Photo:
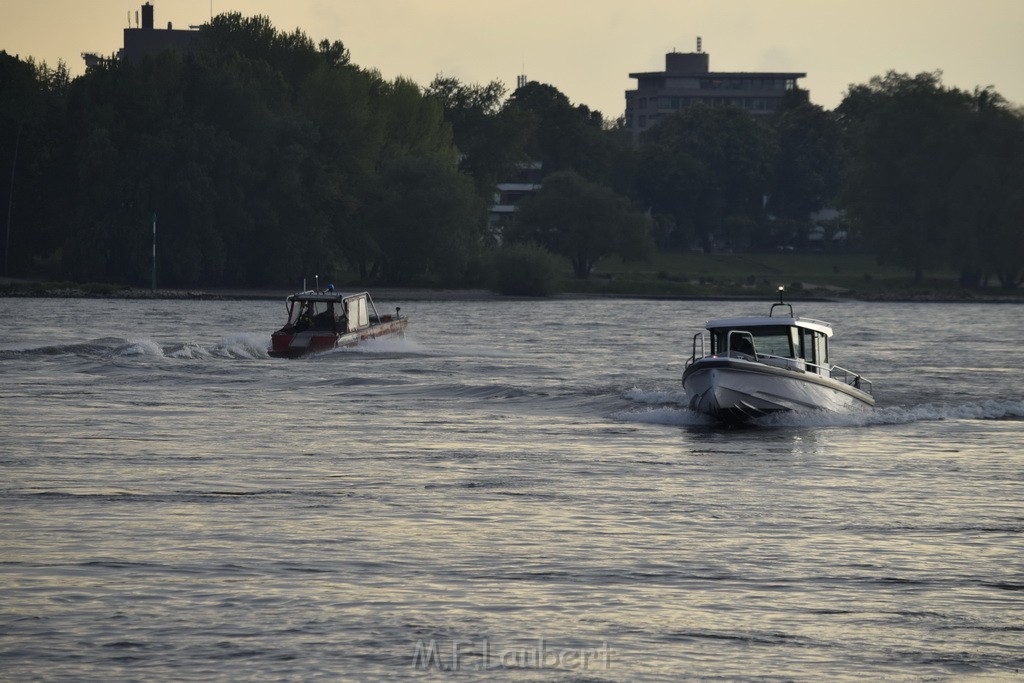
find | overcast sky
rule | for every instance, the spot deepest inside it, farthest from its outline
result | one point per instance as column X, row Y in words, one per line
column 587, row 48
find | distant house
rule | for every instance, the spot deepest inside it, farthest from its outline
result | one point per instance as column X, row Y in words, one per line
column 687, row 79
column 507, row 195
column 146, row 40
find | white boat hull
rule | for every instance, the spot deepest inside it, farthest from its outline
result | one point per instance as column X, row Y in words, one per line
column 733, row 390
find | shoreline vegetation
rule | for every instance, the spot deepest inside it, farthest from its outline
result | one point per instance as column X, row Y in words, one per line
column 679, row 276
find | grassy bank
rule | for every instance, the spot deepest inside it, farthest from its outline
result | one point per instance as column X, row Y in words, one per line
column 832, row 275
column 681, row 274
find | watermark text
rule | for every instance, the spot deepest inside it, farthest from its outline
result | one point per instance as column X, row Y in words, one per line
column 457, row 655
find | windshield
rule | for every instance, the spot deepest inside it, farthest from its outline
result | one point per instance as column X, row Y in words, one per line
column 775, row 340
column 307, row 309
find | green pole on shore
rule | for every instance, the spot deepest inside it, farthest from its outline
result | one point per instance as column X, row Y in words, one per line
column 154, row 250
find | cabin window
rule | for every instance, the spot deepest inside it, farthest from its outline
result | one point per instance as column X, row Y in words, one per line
column 807, row 344
column 358, row 315
column 307, row 310
column 774, row 340
column 814, row 346
column 821, row 348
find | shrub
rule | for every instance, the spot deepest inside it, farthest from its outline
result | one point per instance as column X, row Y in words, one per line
column 525, row 270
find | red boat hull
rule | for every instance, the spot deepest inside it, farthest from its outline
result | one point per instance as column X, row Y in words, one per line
column 285, row 343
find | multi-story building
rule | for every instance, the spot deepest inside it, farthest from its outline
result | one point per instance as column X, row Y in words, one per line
column 522, row 183
column 687, row 79
column 147, row 40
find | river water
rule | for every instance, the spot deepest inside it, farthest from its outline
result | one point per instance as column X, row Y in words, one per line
column 514, row 492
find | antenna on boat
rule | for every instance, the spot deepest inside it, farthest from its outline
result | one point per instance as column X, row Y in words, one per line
column 782, row 289
column 317, row 280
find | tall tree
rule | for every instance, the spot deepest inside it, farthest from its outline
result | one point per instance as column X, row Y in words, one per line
column 932, row 174
column 490, row 138
column 564, row 136
column 583, row 221
column 985, row 198
column 426, row 221
column 807, row 167
column 31, row 122
column 708, row 168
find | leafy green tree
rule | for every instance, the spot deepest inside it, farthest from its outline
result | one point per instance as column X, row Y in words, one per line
column 985, row 201
column 563, row 136
column 934, row 175
column 525, row 270
column 426, row 219
column 903, row 141
column 582, row 221
column 491, row 138
column 807, row 167
column 31, row 121
column 265, row 157
column 704, row 165
column 414, row 125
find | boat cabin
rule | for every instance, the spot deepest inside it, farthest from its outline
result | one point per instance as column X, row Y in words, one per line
column 795, row 343
column 329, row 312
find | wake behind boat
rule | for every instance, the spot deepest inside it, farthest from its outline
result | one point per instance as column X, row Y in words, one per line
column 323, row 320
column 759, row 365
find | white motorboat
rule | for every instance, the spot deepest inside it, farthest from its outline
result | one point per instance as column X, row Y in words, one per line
column 758, row 365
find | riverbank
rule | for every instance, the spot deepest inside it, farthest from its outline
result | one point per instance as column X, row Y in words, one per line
column 27, row 288
column 798, row 291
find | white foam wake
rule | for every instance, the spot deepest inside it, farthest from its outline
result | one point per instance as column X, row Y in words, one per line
column 669, row 408
column 389, row 344
column 139, row 347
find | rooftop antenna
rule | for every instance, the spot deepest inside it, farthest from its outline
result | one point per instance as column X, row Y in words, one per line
column 698, row 44
column 781, row 303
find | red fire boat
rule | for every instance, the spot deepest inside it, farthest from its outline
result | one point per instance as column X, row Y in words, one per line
column 324, row 320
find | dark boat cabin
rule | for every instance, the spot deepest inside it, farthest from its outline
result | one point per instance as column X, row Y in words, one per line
column 328, row 313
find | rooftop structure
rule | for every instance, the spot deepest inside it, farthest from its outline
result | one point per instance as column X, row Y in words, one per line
column 146, row 40
column 688, row 79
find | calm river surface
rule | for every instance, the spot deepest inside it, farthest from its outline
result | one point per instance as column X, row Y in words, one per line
column 513, row 492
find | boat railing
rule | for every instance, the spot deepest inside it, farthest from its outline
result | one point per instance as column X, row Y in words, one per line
column 747, row 349
column 835, row 372
column 695, row 357
column 784, row 362
column 851, row 378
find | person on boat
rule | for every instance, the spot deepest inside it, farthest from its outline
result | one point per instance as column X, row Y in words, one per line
column 741, row 344
column 322, row 321
column 305, row 320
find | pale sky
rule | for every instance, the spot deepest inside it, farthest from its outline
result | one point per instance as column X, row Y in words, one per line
column 587, row 48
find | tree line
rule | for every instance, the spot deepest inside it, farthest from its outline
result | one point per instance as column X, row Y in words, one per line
column 264, row 157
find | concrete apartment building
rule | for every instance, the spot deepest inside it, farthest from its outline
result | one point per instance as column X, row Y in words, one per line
column 688, row 79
